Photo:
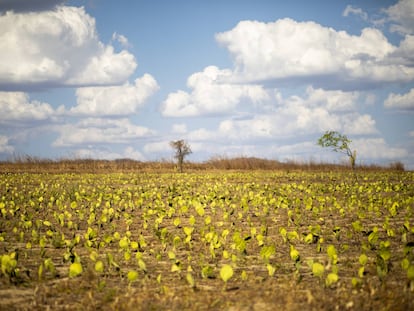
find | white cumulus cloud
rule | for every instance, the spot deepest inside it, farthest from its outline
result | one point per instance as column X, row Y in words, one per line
column 398, row 101
column 4, row 145
column 402, row 16
column 57, row 47
column 16, row 107
column 115, row 100
column 377, row 148
column 356, row 11
column 296, row 116
column 309, row 52
column 106, row 154
column 210, row 95
column 180, row 128
column 95, row 131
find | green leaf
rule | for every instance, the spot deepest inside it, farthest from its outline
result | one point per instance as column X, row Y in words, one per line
column 385, row 254
column 405, row 263
column 292, row 235
column 175, row 267
column 188, row 231
column 99, row 266
column 142, row 265
column 132, row 276
column 124, row 243
column 244, row 275
column 309, row 238
column 270, row 269
column 357, row 226
column 171, row 255
column 294, row 253
column 363, row 259
column 373, row 236
column 75, row 269
column 134, row 245
column 332, row 254
column 207, row 272
column 410, row 273
column 332, row 278
column 361, row 272
column 40, row 272
column 226, row 272
column 318, row 269
column 267, row 251
column 177, row 222
column 190, row 279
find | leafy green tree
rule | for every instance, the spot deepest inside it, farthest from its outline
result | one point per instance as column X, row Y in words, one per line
column 182, row 149
column 339, row 143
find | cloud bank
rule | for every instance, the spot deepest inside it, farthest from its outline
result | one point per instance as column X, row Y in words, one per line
column 58, row 47
column 311, row 53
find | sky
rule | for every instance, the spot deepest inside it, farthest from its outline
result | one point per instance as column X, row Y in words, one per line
column 121, row 79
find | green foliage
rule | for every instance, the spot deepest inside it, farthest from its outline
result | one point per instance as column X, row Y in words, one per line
column 339, row 143
column 190, row 279
column 75, row 269
column 267, row 251
column 226, row 273
column 333, row 256
column 318, row 269
column 99, row 266
column 294, row 254
column 331, row 279
column 9, row 265
column 132, row 276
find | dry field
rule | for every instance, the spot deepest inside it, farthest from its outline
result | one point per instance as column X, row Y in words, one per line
column 207, row 240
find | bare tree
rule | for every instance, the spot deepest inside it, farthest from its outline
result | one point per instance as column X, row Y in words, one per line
column 338, row 143
column 182, row 149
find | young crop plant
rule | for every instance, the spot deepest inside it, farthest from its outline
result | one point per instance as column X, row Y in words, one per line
column 75, row 269
column 318, row 269
column 226, row 273
column 9, row 266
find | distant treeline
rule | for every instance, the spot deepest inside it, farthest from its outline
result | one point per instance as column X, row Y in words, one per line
column 34, row 164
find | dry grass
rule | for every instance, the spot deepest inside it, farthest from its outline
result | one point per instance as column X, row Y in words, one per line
column 36, row 165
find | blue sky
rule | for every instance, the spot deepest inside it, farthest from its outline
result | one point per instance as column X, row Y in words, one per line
column 106, row 79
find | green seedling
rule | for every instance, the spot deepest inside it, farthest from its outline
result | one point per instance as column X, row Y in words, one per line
column 373, row 238
column 99, row 266
column 142, row 266
column 9, row 265
column 75, row 269
column 332, row 254
column 294, row 254
column 132, row 276
column 266, row 252
column 410, row 276
column 331, row 279
column 226, row 273
column 207, row 272
column 318, row 269
column 384, row 250
column 270, row 269
column 382, row 268
column 190, row 280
